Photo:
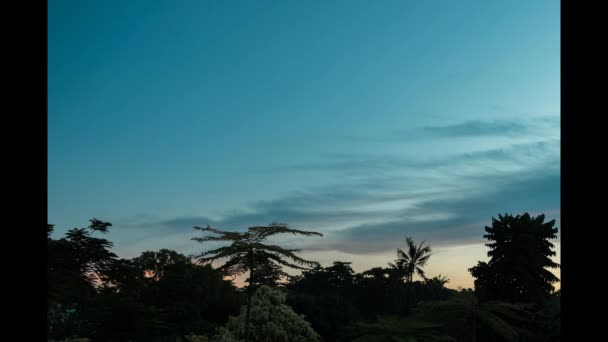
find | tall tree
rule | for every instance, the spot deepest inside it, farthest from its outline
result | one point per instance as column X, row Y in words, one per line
column 412, row 260
column 77, row 265
column 248, row 253
column 520, row 253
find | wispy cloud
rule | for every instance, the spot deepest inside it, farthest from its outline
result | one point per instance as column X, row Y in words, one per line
column 463, row 217
column 446, row 201
column 510, row 128
column 495, row 160
column 478, row 128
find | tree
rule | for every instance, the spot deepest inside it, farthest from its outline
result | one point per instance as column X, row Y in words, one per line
column 154, row 264
column 77, row 265
column 190, row 298
column 326, row 296
column 248, row 253
column 434, row 288
column 269, row 274
column 340, row 277
column 91, row 256
column 520, row 253
column 273, row 321
column 412, row 261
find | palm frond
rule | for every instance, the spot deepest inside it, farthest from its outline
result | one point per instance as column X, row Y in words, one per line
column 420, row 272
column 411, row 246
column 402, row 255
column 422, row 261
column 260, row 233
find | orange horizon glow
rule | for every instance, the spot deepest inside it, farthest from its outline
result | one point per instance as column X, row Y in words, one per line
column 450, row 261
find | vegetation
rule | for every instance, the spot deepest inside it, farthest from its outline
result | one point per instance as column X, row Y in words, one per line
column 272, row 321
column 166, row 296
column 520, row 253
column 248, row 253
column 412, row 260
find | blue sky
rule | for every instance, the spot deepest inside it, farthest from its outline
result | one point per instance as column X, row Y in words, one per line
column 365, row 120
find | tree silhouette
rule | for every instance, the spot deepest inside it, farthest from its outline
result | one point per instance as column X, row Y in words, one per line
column 77, row 265
column 411, row 261
column 520, row 253
column 193, row 298
column 248, row 253
column 154, row 264
column 269, row 274
column 92, row 255
column 164, row 295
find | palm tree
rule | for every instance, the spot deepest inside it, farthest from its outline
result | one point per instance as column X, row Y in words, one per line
column 247, row 253
column 411, row 262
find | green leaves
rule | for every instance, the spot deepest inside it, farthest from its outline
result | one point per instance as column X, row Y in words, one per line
column 272, row 320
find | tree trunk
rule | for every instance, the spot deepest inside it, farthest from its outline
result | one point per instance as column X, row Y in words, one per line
column 247, row 316
column 474, row 337
column 249, row 295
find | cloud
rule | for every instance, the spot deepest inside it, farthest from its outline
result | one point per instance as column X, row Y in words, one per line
column 384, row 165
column 464, row 217
column 368, row 216
column 478, row 128
column 444, row 199
column 538, row 125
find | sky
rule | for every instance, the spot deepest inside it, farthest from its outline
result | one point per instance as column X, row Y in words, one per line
column 363, row 120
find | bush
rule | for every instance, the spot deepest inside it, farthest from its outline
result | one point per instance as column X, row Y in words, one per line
column 270, row 321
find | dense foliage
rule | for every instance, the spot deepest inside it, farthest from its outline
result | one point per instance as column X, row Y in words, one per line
column 166, row 296
column 271, row 320
column 520, row 251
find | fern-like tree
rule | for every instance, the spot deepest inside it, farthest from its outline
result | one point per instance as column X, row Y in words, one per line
column 248, row 252
column 412, row 260
column 520, row 252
